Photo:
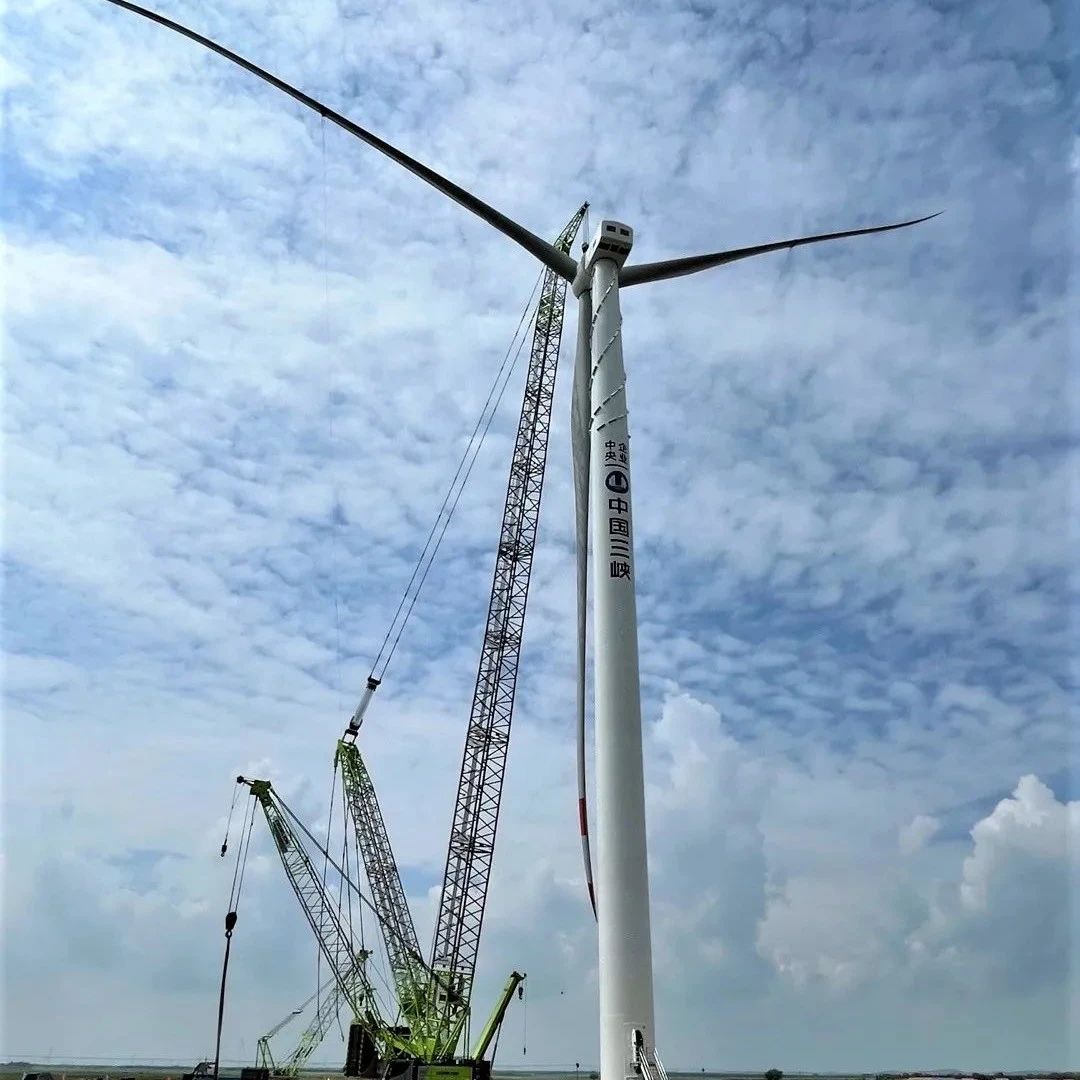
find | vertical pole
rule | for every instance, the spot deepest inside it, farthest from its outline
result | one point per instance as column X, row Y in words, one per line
column 626, row 992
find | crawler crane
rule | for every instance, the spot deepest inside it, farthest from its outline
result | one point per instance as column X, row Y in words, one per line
column 433, row 999
column 436, row 1006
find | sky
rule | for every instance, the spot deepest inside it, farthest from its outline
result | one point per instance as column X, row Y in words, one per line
column 241, row 353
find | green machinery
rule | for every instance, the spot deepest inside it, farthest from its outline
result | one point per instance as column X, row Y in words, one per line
column 328, row 997
column 380, row 1048
column 433, row 999
column 429, row 1034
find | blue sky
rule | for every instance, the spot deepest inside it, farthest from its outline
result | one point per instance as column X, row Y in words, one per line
column 241, row 351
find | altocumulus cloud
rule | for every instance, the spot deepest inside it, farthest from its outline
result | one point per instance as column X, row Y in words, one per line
column 240, row 351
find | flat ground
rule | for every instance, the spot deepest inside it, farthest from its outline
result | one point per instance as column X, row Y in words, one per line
column 120, row 1072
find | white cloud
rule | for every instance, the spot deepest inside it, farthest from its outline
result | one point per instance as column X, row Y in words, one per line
column 240, row 350
column 1032, row 824
column 917, row 833
column 1007, row 925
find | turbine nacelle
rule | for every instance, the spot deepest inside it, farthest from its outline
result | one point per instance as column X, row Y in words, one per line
column 612, row 240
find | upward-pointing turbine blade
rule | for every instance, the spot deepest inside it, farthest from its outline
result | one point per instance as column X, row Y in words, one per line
column 548, row 254
column 659, row 271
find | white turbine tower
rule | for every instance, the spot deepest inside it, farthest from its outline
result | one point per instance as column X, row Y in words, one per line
column 601, row 444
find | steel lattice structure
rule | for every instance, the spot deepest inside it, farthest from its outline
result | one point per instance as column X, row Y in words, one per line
column 326, row 1012
column 395, row 919
column 476, row 810
column 333, row 936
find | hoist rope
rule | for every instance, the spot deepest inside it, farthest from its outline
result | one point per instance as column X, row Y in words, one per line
column 451, row 498
column 228, row 821
column 245, row 829
column 230, row 920
column 335, row 538
column 468, row 473
column 244, row 858
column 343, row 893
column 322, row 882
column 341, row 885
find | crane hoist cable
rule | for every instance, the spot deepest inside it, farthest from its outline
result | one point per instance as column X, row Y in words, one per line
column 329, row 825
column 472, row 447
column 446, row 511
column 230, row 916
column 228, row 820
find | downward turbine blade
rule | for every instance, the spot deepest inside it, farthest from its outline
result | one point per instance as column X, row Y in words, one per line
column 550, row 256
column 581, row 448
column 659, row 271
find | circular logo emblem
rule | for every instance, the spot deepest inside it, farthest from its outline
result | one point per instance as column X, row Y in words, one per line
column 617, row 482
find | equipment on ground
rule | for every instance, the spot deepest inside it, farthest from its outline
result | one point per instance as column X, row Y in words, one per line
column 433, row 1002
column 348, row 965
column 264, row 1058
column 491, row 1028
column 329, row 999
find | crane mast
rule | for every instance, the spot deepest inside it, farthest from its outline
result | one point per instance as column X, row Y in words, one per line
column 476, row 809
column 395, row 920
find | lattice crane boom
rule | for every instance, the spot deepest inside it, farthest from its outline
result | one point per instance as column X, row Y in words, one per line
column 476, row 810
column 326, row 1013
column 264, row 1057
column 330, row 1000
column 407, row 967
column 347, row 964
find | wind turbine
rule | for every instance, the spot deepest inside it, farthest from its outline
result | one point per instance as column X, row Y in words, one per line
column 601, row 451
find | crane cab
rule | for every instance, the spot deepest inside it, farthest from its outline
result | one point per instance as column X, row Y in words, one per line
column 612, row 240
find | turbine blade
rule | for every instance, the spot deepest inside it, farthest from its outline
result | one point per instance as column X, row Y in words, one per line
column 581, row 447
column 659, row 271
column 550, row 256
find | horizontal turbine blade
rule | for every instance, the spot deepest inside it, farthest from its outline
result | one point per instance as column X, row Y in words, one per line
column 659, row 271
column 550, row 256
